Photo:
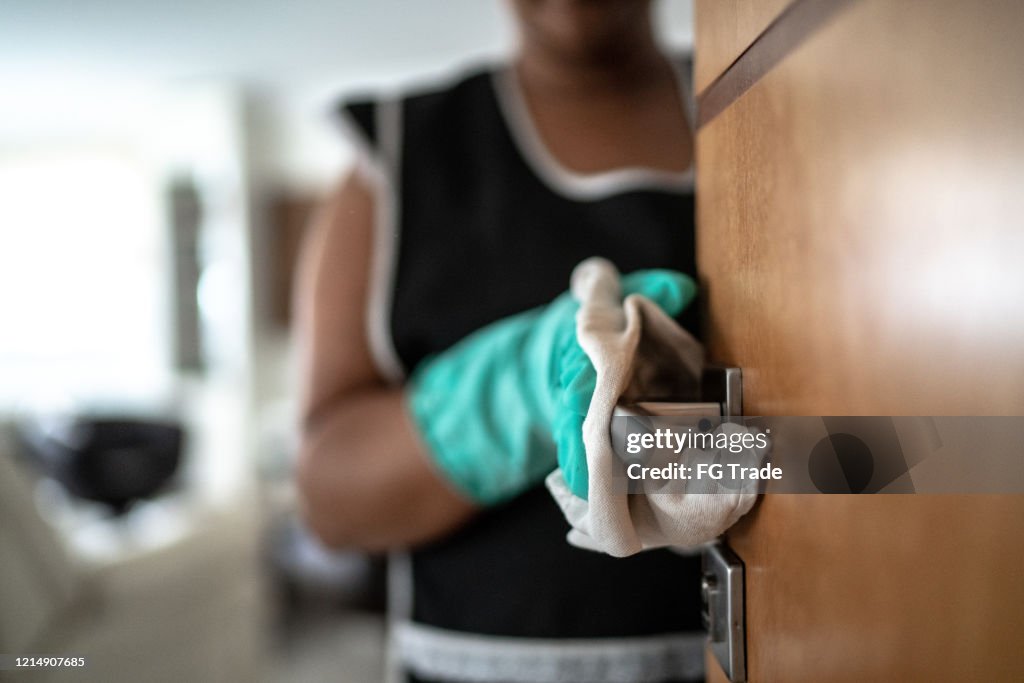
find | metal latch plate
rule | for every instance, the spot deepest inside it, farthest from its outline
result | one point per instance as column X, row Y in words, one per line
column 722, row 592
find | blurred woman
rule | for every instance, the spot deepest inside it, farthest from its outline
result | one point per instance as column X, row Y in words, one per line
column 470, row 203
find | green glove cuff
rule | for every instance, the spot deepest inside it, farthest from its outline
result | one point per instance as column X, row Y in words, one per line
column 485, row 407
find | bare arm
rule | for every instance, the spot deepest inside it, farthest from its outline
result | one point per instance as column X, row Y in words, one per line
column 364, row 479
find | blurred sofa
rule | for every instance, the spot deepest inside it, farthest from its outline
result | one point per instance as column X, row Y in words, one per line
column 193, row 608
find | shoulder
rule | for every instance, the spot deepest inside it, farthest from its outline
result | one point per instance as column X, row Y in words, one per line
column 365, row 116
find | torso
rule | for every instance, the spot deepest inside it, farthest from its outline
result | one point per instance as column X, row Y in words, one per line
column 485, row 229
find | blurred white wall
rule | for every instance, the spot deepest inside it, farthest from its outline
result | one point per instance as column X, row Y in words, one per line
column 294, row 58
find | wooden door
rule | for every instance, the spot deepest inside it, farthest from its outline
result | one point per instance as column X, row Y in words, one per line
column 861, row 248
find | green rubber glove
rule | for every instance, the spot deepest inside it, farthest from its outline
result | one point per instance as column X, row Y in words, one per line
column 491, row 407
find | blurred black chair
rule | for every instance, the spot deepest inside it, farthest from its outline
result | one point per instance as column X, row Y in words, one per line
column 114, row 461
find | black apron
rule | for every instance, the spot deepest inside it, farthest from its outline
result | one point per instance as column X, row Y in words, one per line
column 475, row 228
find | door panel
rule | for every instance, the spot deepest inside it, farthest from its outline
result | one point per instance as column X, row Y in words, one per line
column 883, row 588
column 860, row 237
column 861, row 218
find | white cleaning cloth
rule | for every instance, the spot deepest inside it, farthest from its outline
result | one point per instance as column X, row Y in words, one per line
column 636, row 350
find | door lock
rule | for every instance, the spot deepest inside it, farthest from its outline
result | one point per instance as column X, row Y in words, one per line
column 723, row 609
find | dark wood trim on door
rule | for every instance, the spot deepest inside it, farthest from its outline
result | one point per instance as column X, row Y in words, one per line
column 799, row 21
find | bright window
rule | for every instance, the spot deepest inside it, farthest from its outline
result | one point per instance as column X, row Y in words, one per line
column 83, row 250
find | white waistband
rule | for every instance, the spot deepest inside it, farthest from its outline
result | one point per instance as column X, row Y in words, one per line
column 451, row 655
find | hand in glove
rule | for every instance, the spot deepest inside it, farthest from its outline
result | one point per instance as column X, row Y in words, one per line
column 502, row 408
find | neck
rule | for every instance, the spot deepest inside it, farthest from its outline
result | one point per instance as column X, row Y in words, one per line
column 620, row 69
